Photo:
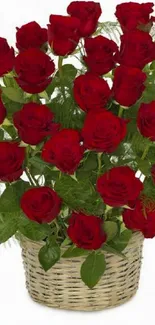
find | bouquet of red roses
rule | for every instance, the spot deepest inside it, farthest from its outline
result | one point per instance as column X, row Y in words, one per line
column 77, row 143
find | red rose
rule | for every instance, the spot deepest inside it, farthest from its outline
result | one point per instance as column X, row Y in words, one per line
column 64, row 150
column 137, row 49
column 88, row 13
column 100, row 52
column 153, row 173
column 63, row 35
column 34, row 122
column 141, row 218
column 2, row 111
column 146, row 120
column 128, row 85
column 119, row 186
column 86, row 231
column 41, row 204
column 31, row 35
column 11, row 161
column 103, row 131
column 34, row 69
column 132, row 15
column 91, row 92
column 6, row 57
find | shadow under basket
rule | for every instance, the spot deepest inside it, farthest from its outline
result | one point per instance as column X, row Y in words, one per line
column 62, row 287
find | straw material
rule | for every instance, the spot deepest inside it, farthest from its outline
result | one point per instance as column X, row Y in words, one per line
column 62, row 287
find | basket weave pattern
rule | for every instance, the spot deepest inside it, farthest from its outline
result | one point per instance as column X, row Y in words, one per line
column 62, row 287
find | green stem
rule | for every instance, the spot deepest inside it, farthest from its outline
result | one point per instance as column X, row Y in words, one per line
column 120, row 111
column 99, row 163
column 146, row 150
column 60, row 61
column 29, row 177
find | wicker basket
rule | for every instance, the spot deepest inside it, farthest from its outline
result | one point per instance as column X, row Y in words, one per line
column 62, row 287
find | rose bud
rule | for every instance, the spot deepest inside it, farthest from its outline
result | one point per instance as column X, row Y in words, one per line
column 34, row 122
column 86, row 231
column 30, row 35
column 88, row 12
column 41, row 204
column 146, row 120
column 34, row 69
column 6, row 57
column 64, row 150
column 11, row 161
column 119, row 186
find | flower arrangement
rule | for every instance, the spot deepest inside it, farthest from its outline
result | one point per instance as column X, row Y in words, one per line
column 77, row 144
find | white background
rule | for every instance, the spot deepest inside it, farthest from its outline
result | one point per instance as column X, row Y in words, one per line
column 15, row 305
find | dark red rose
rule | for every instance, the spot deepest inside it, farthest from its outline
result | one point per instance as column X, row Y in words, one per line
column 100, row 52
column 30, row 35
column 137, row 49
column 41, row 204
column 133, row 15
column 63, row 34
column 88, row 13
column 119, row 186
column 34, row 122
column 146, row 120
column 6, row 57
column 140, row 218
column 86, row 231
column 34, row 69
column 2, row 111
column 64, row 150
column 91, row 92
column 153, row 173
column 128, row 85
column 11, row 161
column 103, row 131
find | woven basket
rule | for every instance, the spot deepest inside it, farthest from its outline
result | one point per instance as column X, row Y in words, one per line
column 62, row 287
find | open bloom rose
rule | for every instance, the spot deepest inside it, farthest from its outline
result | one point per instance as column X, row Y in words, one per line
column 11, row 161
column 2, row 111
column 30, row 35
column 119, row 186
column 133, row 15
column 128, row 85
column 137, row 49
column 91, row 92
column 141, row 218
column 6, row 57
column 103, row 131
column 64, row 150
column 100, row 57
column 146, row 120
column 63, row 34
column 41, row 204
column 86, row 231
column 88, row 13
column 34, row 122
column 34, row 69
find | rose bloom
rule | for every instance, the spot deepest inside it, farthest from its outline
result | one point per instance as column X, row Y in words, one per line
column 34, row 69
column 64, row 150
column 63, row 34
column 11, row 161
column 137, row 49
column 30, row 35
column 119, row 186
column 41, row 204
column 2, row 111
column 86, row 231
column 34, row 122
column 141, row 218
column 6, row 57
column 103, row 131
column 146, row 120
column 100, row 57
column 133, row 15
column 88, row 13
column 128, row 85
column 91, row 92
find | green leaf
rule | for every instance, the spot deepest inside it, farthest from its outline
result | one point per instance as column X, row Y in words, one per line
column 121, row 241
column 73, row 251
column 49, row 255
column 33, row 230
column 8, row 228
column 92, row 269
column 10, row 198
column 111, row 250
column 10, row 132
column 10, row 105
column 38, row 163
column 14, row 94
column 111, row 229
column 1, row 134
